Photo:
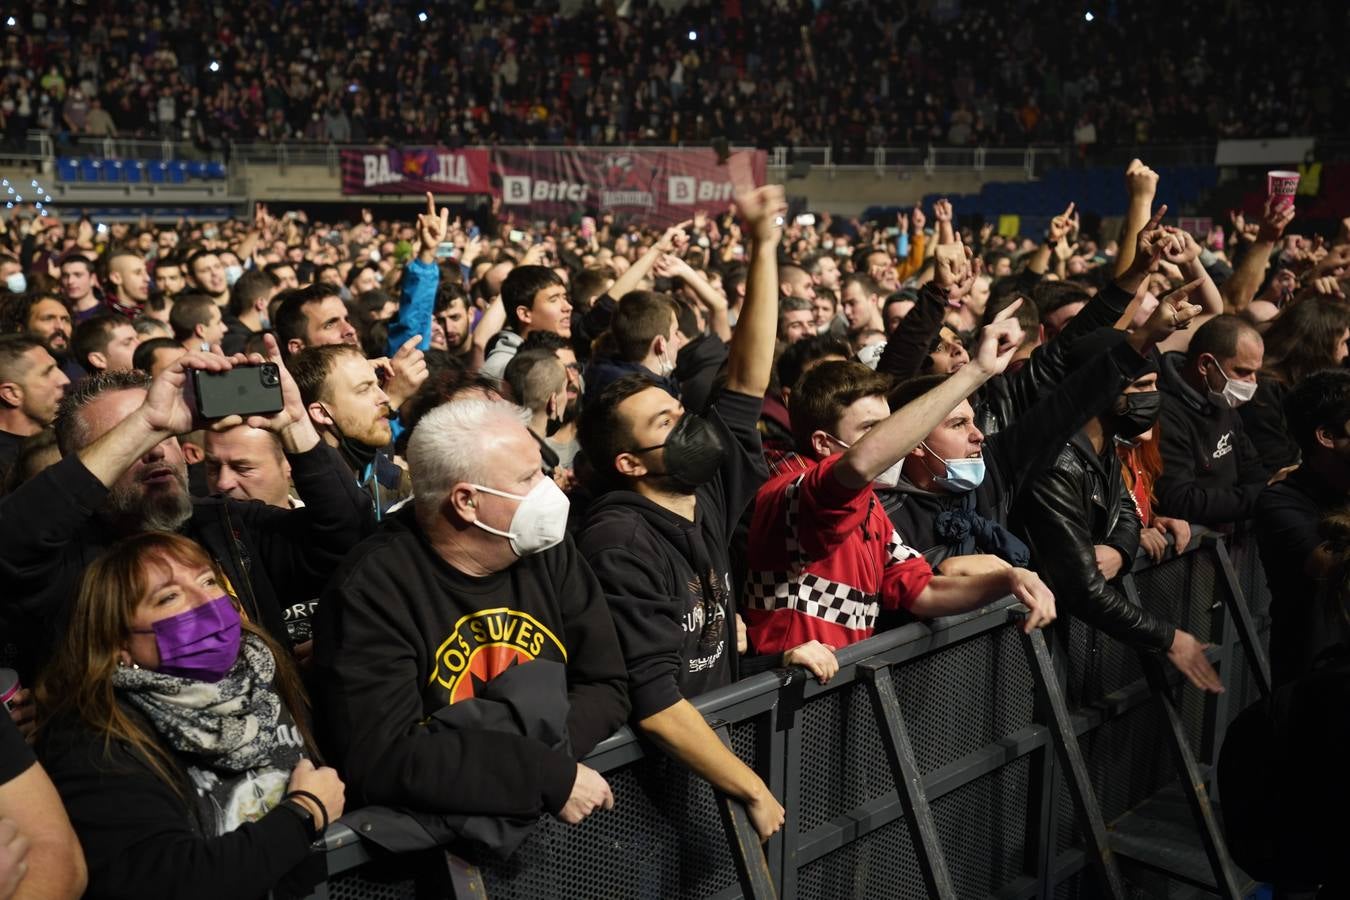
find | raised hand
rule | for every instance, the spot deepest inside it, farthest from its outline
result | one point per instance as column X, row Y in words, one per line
column 1061, row 224
column 1140, row 180
column 1182, row 250
column 1150, row 242
column 763, row 209
column 432, row 228
column 951, row 264
column 1274, row 220
column 942, row 211
column 409, row 370
column 998, row 342
column 671, row 236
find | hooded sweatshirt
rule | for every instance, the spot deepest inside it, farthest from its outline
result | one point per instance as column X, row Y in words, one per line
column 1211, row 474
column 945, row 524
column 668, row 580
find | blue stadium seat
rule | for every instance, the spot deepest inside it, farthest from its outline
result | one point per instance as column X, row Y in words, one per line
column 215, row 170
column 196, row 169
column 112, row 170
column 91, row 169
column 157, row 171
column 68, row 168
column 177, row 171
column 134, row 171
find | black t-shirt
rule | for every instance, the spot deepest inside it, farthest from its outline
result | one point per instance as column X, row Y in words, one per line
column 15, row 756
column 9, row 450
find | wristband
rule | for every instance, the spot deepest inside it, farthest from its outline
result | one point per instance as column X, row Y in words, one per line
column 323, row 810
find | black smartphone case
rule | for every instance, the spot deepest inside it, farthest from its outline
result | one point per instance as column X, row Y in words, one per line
column 242, row 391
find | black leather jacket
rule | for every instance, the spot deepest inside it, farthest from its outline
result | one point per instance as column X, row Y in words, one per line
column 1081, row 501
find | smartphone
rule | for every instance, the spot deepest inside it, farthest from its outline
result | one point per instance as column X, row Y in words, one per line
column 252, row 390
column 516, row 236
column 892, row 231
column 806, row 219
column 473, row 232
column 445, row 250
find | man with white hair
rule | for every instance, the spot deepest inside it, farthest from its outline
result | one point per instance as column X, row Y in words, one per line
column 466, row 655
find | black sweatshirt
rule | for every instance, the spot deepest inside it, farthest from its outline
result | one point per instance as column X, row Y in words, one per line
column 395, row 641
column 142, row 839
column 1211, row 472
column 49, row 533
column 668, row 580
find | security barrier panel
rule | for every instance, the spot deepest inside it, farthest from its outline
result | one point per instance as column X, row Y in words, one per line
column 989, row 810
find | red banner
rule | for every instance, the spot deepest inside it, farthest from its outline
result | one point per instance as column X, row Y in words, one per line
column 415, row 170
column 657, row 186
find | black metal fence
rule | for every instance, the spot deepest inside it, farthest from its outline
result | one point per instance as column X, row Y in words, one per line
column 1002, row 821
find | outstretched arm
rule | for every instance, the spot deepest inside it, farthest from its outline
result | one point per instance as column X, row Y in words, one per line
column 750, row 362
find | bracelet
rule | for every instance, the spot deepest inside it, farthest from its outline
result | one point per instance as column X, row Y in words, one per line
column 323, row 810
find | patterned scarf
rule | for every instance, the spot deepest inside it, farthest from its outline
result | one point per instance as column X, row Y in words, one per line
column 230, row 725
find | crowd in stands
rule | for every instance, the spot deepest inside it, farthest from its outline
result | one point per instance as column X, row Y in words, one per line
column 519, row 485
column 844, row 73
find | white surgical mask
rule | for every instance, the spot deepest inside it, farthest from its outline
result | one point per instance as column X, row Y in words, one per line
column 16, row 283
column 233, row 274
column 889, row 478
column 540, row 521
column 1234, row 393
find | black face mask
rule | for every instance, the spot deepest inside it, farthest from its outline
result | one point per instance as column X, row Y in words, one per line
column 694, row 453
column 1136, row 413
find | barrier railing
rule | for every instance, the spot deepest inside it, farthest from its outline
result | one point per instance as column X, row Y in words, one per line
column 968, row 713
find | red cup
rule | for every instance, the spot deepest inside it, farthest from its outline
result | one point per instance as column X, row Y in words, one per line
column 1280, row 188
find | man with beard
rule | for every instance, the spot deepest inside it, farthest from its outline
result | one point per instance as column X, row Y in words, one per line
column 122, row 471
column 127, row 282
column 450, row 321
column 659, row 540
column 31, row 386
column 207, row 273
column 45, row 318
column 344, row 401
column 169, row 276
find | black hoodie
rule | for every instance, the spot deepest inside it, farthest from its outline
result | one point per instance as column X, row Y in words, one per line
column 668, row 580
column 1211, row 473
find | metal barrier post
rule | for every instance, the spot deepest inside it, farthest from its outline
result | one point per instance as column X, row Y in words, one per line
column 1192, row 781
column 1236, row 603
column 908, row 779
column 1071, row 758
column 752, row 869
column 466, row 882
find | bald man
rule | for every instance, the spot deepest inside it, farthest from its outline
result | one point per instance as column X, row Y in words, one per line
column 128, row 282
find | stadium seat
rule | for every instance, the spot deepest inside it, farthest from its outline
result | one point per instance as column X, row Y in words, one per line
column 91, row 169
column 177, row 171
column 68, row 168
column 157, row 171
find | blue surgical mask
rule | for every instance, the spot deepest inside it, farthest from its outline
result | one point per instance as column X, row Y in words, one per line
column 233, row 274
column 961, row 476
column 16, row 283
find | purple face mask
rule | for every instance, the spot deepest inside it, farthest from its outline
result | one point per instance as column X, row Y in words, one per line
column 202, row 643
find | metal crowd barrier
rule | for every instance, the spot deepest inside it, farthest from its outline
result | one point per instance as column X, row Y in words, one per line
column 956, row 758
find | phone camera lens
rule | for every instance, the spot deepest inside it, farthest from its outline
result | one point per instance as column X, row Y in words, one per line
column 270, row 376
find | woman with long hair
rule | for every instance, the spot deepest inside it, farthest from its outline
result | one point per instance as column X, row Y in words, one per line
column 1306, row 337
column 176, row 732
